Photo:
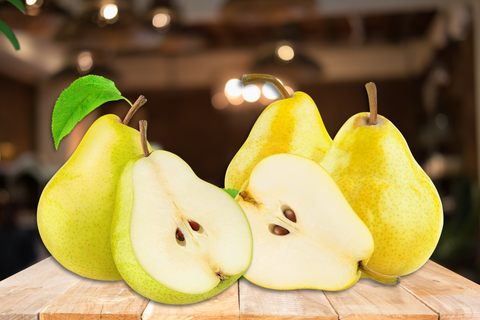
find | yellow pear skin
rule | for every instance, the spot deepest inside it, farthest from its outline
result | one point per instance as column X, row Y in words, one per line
column 292, row 125
column 77, row 205
column 374, row 168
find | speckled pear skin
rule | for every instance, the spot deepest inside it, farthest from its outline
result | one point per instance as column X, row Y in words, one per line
column 386, row 187
column 77, row 205
column 131, row 270
column 291, row 125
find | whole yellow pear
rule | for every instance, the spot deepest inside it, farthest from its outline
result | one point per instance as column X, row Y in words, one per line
column 372, row 164
column 290, row 125
column 76, row 207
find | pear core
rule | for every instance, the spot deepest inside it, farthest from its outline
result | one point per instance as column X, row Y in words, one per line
column 167, row 197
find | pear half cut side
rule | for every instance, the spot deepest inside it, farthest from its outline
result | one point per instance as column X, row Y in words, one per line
column 175, row 238
column 305, row 233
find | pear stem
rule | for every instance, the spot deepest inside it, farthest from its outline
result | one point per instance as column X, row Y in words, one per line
column 142, row 124
column 249, row 78
column 372, row 100
column 374, row 275
column 137, row 105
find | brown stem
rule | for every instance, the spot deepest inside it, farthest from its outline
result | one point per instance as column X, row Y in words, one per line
column 142, row 124
column 140, row 102
column 249, row 78
column 372, row 100
column 374, row 275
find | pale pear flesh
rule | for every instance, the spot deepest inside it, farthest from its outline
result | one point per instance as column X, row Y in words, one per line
column 76, row 207
column 390, row 192
column 291, row 125
column 324, row 246
column 160, row 194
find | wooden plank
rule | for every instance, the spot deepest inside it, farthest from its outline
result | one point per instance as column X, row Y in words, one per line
column 449, row 294
column 368, row 299
column 222, row 306
column 90, row 299
column 25, row 294
column 260, row 303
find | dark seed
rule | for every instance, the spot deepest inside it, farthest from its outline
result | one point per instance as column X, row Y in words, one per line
column 179, row 235
column 281, row 231
column 290, row 215
column 220, row 275
column 195, row 226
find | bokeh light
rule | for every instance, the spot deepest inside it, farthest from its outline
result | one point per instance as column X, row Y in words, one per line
column 84, row 61
column 161, row 20
column 219, row 101
column 109, row 11
column 270, row 91
column 251, row 93
column 285, row 53
column 234, row 87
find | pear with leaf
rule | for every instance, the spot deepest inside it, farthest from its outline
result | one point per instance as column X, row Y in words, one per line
column 290, row 125
column 76, row 207
column 372, row 164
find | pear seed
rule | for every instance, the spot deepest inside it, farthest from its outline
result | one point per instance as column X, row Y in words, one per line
column 179, row 235
column 195, row 226
column 280, row 231
column 220, row 275
column 290, row 214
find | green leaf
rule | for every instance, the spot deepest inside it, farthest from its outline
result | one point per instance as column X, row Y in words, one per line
column 232, row 192
column 18, row 4
column 82, row 97
column 9, row 34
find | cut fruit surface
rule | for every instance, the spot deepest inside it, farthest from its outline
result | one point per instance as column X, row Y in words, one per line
column 177, row 239
column 305, row 233
column 166, row 198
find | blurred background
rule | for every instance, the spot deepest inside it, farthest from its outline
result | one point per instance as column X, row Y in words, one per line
column 186, row 57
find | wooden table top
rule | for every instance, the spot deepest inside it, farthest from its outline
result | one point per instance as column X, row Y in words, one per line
column 48, row 291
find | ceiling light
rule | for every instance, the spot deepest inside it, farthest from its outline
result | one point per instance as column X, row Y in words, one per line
column 109, row 11
column 251, row 93
column 289, row 90
column 161, row 20
column 234, row 87
column 285, row 53
column 84, row 62
column 219, row 101
column 270, row 91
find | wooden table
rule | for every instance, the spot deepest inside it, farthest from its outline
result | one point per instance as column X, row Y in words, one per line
column 48, row 291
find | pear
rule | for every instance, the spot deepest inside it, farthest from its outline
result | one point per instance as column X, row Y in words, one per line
column 76, row 207
column 305, row 234
column 373, row 166
column 176, row 239
column 290, row 125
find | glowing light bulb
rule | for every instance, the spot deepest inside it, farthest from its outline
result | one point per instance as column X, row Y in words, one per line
column 219, row 101
column 109, row 11
column 251, row 93
column 289, row 90
column 234, row 87
column 270, row 91
column 30, row 2
column 84, row 61
column 285, row 53
column 161, row 20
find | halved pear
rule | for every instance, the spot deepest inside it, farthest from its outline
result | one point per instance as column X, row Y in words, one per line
column 177, row 239
column 305, row 234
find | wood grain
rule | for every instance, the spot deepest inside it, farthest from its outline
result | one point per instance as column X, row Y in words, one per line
column 25, row 294
column 222, row 306
column 260, row 303
column 368, row 299
column 449, row 294
column 90, row 299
